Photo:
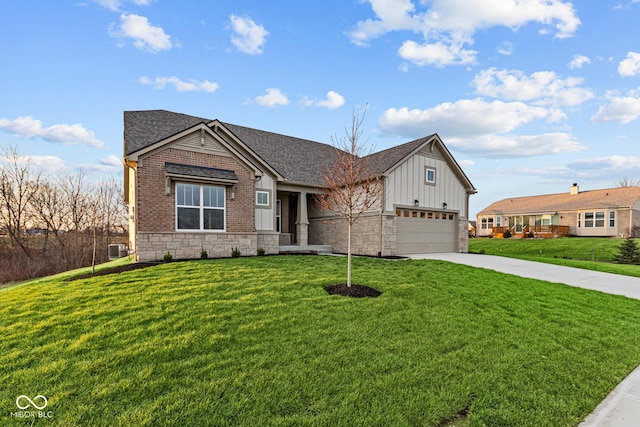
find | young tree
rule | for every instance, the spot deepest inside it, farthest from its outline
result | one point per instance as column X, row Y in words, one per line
column 629, row 252
column 352, row 188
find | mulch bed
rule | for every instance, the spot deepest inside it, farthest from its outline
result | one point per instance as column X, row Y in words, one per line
column 113, row 270
column 355, row 291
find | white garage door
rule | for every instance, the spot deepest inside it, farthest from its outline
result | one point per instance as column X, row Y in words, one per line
column 426, row 231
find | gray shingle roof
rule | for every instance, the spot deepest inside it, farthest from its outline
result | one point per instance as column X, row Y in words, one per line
column 623, row 197
column 200, row 171
column 144, row 128
column 384, row 160
column 297, row 160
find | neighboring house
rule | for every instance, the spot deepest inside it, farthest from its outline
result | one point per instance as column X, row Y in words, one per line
column 613, row 212
column 196, row 184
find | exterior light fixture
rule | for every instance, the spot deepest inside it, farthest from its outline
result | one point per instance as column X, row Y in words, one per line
column 416, row 202
column 444, row 206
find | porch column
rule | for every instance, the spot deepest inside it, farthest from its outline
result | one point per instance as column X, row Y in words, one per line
column 302, row 221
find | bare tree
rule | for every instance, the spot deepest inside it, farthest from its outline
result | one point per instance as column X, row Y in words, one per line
column 18, row 185
column 628, row 182
column 352, row 189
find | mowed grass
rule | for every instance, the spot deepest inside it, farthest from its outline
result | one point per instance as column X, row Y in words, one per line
column 258, row 342
column 591, row 253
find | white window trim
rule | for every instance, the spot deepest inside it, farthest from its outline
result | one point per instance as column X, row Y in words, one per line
column 201, row 208
column 426, row 175
column 263, row 205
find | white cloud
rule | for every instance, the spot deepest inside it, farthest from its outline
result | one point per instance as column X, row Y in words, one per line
column 29, row 127
column 180, row 85
column 47, row 164
column 462, row 119
column 631, row 66
column 448, row 25
column 578, row 61
column 506, row 48
column 439, row 54
column 272, row 98
column 109, row 164
column 334, row 100
column 114, row 5
column 513, row 146
column 621, row 109
column 249, row 37
column 144, row 35
column 543, row 87
column 616, row 164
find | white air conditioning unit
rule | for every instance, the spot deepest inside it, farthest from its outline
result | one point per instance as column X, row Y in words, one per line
column 117, row 250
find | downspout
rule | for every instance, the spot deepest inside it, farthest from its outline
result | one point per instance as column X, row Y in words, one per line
column 382, row 205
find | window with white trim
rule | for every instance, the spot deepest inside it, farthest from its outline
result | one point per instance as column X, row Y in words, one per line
column 593, row 219
column 200, row 207
column 262, row 198
column 487, row 223
column 429, row 175
column 612, row 219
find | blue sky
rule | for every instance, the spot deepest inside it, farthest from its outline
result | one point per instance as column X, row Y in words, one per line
column 530, row 96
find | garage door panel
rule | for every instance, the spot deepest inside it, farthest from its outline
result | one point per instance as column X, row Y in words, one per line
column 421, row 233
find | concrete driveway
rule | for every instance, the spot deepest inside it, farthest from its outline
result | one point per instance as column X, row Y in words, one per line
column 594, row 280
column 621, row 408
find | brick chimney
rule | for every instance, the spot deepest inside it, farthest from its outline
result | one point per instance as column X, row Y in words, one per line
column 574, row 189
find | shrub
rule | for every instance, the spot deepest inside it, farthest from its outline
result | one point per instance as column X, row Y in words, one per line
column 506, row 234
column 204, row 254
column 260, row 252
column 167, row 257
column 235, row 252
column 629, row 252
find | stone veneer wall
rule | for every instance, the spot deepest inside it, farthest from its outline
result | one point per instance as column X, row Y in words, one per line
column 269, row 241
column 365, row 234
column 154, row 246
column 463, row 236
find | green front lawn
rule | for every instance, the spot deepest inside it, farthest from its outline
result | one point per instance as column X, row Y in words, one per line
column 257, row 341
column 591, row 253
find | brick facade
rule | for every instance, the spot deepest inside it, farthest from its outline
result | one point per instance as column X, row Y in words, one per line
column 156, row 210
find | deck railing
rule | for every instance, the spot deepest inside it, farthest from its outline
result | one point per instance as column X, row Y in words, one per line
column 536, row 230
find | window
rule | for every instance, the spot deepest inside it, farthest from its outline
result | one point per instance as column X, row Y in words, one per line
column 262, row 198
column 595, row 219
column 487, row 223
column 498, row 221
column 612, row 218
column 279, row 216
column 429, row 175
column 579, row 220
column 200, row 207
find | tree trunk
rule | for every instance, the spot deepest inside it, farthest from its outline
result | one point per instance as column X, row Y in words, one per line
column 349, row 255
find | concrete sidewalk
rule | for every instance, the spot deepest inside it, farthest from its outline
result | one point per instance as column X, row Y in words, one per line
column 621, row 408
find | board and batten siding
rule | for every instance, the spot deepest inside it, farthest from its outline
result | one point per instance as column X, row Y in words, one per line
column 193, row 142
column 406, row 183
column 265, row 216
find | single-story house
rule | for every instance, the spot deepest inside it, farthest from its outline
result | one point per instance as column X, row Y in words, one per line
column 612, row 212
column 196, row 184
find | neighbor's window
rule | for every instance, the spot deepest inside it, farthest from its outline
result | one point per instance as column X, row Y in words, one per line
column 487, row 223
column 429, row 175
column 595, row 219
column 262, row 198
column 200, row 207
column 612, row 218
